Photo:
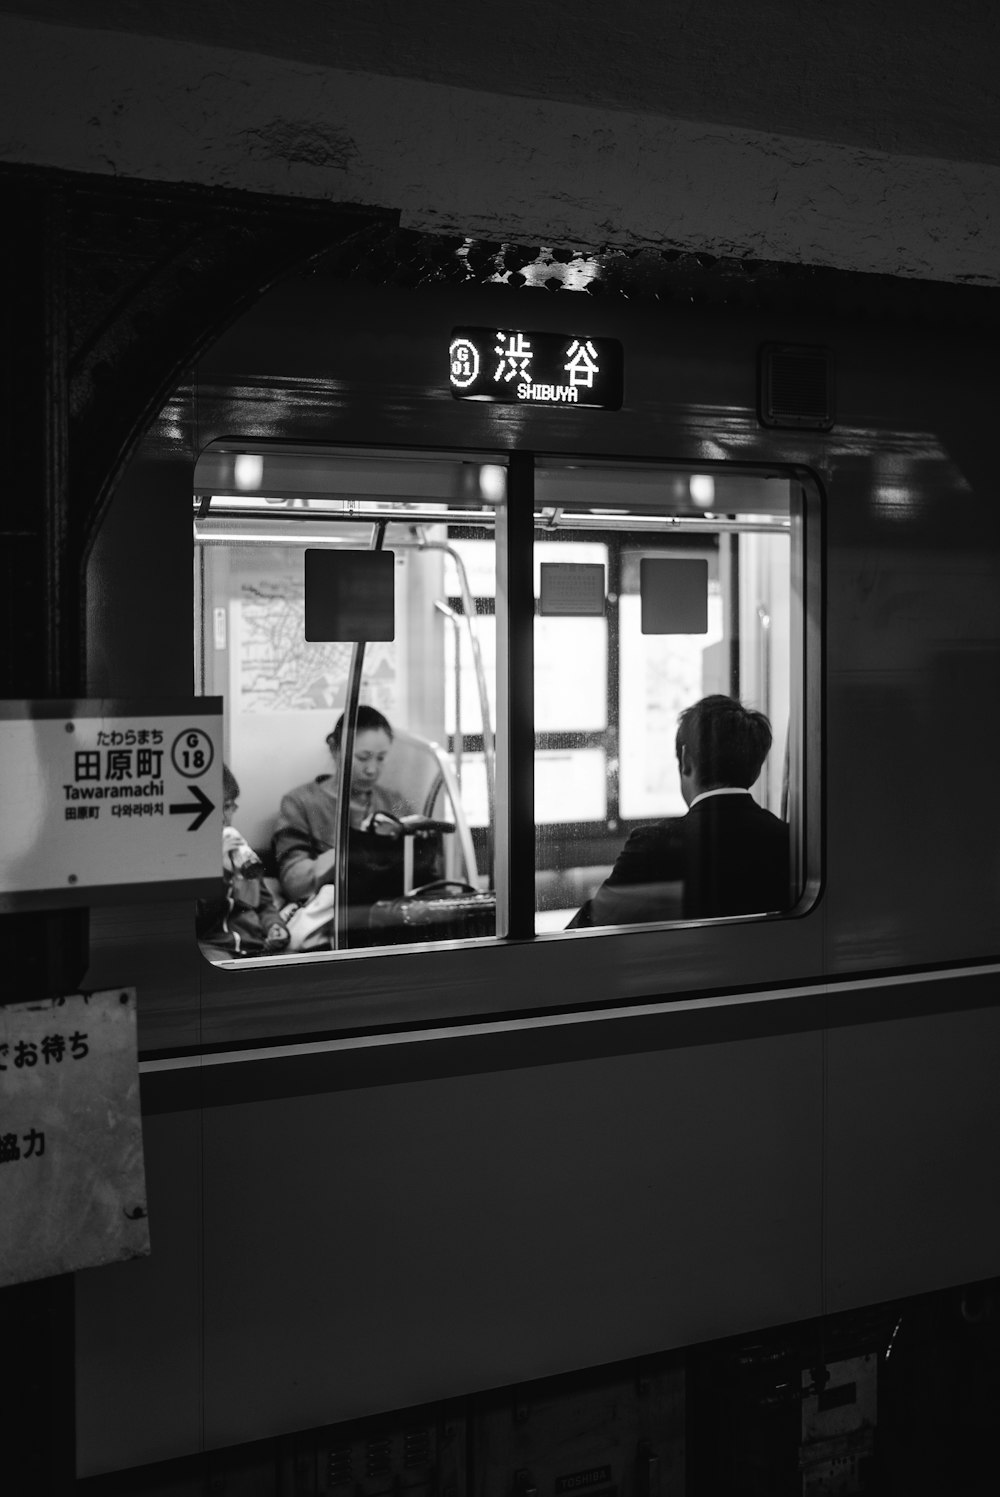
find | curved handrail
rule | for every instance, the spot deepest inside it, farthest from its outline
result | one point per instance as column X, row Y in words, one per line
column 446, row 776
column 421, row 543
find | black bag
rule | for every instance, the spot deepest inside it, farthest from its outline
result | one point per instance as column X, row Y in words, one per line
column 447, row 910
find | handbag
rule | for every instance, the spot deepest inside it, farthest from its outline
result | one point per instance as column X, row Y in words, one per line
column 447, row 910
column 309, row 924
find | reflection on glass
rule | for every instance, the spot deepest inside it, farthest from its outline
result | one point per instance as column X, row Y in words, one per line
column 570, row 785
column 479, row 560
column 475, row 791
column 468, row 693
column 659, row 675
column 571, row 658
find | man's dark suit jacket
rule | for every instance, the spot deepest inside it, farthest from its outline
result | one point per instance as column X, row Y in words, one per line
column 727, row 856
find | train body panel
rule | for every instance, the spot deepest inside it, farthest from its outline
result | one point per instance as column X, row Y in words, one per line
column 155, row 1302
column 909, row 1121
column 373, row 1243
column 388, row 1246
column 405, row 1175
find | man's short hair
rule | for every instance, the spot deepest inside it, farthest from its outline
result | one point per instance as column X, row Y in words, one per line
column 727, row 742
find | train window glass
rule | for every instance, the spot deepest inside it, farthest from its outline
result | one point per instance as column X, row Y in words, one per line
column 416, row 711
column 702, row 599
column 683, row 667
column 570, row 666
column 654, row 588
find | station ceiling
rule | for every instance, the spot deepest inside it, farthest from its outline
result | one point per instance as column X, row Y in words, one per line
column 908, row 77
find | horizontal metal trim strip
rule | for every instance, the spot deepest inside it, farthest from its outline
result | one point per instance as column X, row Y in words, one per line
column 361, row 1061
column 15, row 901
column 42, row 708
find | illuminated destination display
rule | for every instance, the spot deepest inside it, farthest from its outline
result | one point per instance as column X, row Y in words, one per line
column 520, row 368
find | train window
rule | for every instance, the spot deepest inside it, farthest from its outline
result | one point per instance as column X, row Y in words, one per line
column 701, row 599
column 401, row 849
column 349, row 614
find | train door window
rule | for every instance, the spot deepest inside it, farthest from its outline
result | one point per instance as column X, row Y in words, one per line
column 702, row 597
column 402, row 849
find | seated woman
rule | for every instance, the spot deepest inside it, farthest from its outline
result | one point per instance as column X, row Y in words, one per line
column 305, row 836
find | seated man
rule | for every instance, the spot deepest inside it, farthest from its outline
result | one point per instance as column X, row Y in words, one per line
column 729, row 855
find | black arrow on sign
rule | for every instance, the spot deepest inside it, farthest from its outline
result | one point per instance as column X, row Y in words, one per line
column 200, row 810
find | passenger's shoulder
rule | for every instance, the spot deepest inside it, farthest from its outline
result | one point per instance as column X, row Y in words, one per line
column 768, row 816
column 769, row 827
column 655, row 831
column 303, row 793
column 653, row 837
column 647, row 852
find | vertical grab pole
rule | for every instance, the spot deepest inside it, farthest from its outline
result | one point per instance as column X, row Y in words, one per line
column 729, row 576
column 340, row 887
column 764, row 684
column 515, row 851
column 456, row 624
column 459, row 741
column 489, row 745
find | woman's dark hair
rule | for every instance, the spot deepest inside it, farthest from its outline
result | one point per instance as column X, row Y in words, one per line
column 728, row 742
column 369, row 720
column 230, row 785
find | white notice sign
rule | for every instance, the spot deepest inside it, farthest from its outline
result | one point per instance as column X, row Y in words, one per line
column 109, row 801
column 72, row 1184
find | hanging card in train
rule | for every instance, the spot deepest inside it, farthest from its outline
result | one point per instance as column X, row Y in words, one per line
column 350, row 595
column 674, row 595
column 571, row 589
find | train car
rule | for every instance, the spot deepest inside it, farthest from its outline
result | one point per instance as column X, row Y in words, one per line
column 464, row 1140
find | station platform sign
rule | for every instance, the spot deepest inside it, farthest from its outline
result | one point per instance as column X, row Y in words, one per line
column 109, row 801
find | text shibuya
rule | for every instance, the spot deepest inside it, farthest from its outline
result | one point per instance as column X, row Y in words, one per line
column 567, row 393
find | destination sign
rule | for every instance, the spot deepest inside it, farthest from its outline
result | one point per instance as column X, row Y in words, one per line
column 522, row 368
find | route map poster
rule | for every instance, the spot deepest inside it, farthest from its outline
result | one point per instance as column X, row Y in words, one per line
column 279, row 670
